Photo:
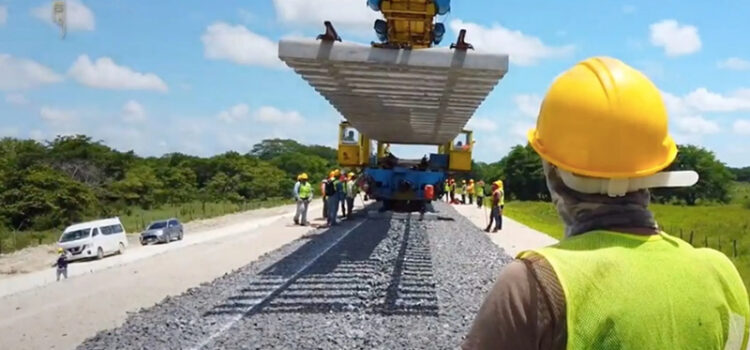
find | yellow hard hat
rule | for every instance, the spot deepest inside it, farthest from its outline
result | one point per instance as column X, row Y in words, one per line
column 351, row 175
column 337, row 173
column 332, row 174
column 602, row 118
column 499, row 183
column 59, row 250
column 303, row 176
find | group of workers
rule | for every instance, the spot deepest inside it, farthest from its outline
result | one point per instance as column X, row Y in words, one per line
column 472, row 190
column 616, row 280
column 337, row 190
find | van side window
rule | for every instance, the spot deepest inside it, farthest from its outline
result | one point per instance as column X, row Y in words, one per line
column 172, row 223
column 117, row 228
column 94, row 232
column 106, row 230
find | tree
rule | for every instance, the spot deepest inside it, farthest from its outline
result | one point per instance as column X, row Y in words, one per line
column 741, row 174
column 139, row 187
column 522, row 174
column 715, row 178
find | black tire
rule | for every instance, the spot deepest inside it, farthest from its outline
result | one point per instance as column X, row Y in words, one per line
column 121, row 249
column 99, row 253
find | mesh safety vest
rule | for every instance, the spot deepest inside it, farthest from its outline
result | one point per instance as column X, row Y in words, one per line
column 626, row 291
column 480, row 191
column 305, row 190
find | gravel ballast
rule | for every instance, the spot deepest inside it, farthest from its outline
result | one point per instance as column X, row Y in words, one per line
column 389, row 284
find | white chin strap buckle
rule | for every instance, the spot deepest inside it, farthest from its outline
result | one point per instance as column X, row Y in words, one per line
column 621, row 186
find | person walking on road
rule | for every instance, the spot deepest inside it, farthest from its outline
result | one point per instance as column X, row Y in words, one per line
column 303, row 194
column 61, row 264
column 480, row 193
column 616, row 280
column 496, row 209
column 323, row 195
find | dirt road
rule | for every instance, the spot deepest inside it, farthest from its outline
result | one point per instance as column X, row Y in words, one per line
column 100, row 295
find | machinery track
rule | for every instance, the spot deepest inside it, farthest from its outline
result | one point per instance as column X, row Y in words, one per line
column 369, row 283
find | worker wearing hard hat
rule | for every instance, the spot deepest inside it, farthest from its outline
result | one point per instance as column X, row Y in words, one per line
column 341, row 190
column 447, row 190
column 480, row 193
column 351, row 193
column 470, row 191
column 332, row 190
column 616, row 281
column 303, row 194
column 61, row 264
column 496, row 206
column 462, row 191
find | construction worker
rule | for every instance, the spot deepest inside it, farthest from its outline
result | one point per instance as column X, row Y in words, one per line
column 332, row 199
column 615, row 281
column 470, row 191
column 341, row 190
column 480, row 193
column 61, row 264
column 462, row 191
column 323, row 184
column 303, row 194
column 447, row 190
column 351, row 193
column 453, row 191
column 496, row 208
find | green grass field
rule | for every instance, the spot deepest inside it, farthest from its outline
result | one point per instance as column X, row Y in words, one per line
column 134, row 219
column 715, row 226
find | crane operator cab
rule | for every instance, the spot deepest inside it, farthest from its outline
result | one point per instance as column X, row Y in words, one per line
column 459, row 151
column 354, row 147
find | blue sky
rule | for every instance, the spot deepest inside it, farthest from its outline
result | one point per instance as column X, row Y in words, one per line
column 203, row 77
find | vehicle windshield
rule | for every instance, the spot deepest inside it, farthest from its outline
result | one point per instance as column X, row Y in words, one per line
column 75, row 235
column 158, row 225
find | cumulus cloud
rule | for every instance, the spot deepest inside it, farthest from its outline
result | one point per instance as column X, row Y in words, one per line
column 104, row 73
column 741, row 126
column 273, row 115
column 696, row 125
column 3, row 15
column 222, row 41
column 20, row 74
column 234, row 113
column 706, row 101
column 133, row 112
column 524, row 50
column 78, row 16
column 734, row 63
column 55, row 115
column 16, row 99
column 482, row 124
column 528, row 104
column 351, row 15
column 676, row 39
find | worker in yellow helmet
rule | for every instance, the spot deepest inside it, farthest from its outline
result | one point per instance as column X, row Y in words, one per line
column 323, row 189
column 61, row 264
column 303, row 195
column 496, row 206
column 470, row 191
column 351, row 193
column 615, row 281
column 462, row 191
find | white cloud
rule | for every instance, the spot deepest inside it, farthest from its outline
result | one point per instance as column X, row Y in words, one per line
column 222, row 41
column 696, row 125
column 520, row 129
column 734, row 63
column 133, row 112
column 350, row 15
column 524, row 50
column 528, row 104
column 21, row 73
column 706, row 101
column 676, row 39
column 16, row 99
column 741, row 126
column 482, row 124
column 246, row 16
column 78, row 16
column 104, row 73
column 628, row 9
column 235, row 113
column 55, row 115
column 273, row 115
column 3, row 15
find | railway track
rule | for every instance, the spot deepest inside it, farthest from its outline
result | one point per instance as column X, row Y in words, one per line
column 375, row 283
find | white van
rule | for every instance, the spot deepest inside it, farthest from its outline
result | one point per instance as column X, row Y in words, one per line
column 94, row 239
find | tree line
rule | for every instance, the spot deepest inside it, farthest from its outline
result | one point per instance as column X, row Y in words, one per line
column 523, row 176
column 72, row 178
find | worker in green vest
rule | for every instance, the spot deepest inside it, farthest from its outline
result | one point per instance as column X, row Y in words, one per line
column 461, row 190
column 447, row 190
column 303, row 194
column 615, row 281
column 480, row 193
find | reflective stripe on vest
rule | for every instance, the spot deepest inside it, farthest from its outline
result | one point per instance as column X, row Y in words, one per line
column 626, row 291
column 305, row 190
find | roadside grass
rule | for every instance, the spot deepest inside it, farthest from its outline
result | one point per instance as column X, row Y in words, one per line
column 720, row 227
column 135, row 219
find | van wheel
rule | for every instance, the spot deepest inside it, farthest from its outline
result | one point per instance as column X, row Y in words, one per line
column 99, row 253
column 121, row 249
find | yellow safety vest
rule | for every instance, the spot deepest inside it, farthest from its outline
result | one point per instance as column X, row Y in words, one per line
column 305, row 190
column 625, row 291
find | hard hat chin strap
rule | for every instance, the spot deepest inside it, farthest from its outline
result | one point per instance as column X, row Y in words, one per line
column 618, row 187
